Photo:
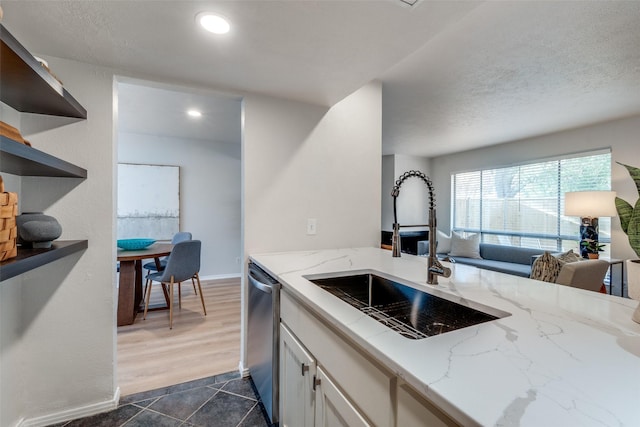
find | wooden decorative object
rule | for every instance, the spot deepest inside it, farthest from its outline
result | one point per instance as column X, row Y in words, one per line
column 8, row 228
column 12, row 133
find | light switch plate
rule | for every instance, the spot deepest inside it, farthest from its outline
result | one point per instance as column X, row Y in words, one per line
column 312, row 226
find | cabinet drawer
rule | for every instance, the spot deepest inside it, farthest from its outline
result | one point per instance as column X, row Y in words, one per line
column 363, row 383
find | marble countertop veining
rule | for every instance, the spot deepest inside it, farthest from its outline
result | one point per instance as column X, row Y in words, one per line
column 563, row 357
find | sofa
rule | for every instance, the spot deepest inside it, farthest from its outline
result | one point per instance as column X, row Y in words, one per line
column 573, row 272
column 504, row 259
column 587, row 274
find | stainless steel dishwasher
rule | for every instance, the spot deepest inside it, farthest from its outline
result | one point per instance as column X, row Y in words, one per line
column 263, row 337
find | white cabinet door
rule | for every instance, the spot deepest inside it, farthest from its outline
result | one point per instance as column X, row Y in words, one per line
column 332, row 407
column 297, row 370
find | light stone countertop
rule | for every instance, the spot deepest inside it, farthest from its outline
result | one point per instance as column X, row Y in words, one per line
column 563, row 357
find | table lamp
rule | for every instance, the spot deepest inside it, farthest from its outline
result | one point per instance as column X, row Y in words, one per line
column 589, row 206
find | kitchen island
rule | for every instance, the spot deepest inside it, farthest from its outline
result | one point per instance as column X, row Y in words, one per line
column 561, row 357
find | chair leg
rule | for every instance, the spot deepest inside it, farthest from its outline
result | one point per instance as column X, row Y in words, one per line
column 180, row 295
column 146, row 283
column 147, row 288
column 194, row 286
column 201, row 296
column 171, row 304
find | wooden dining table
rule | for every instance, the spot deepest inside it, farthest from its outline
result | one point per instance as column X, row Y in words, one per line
column 130, row 282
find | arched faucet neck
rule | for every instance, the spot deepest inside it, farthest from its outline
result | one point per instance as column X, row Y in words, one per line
column 434, row 267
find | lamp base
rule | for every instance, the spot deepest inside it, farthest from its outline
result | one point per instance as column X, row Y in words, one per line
column 588, row 233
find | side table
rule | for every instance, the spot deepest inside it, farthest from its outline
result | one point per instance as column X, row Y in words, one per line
column 612, row 262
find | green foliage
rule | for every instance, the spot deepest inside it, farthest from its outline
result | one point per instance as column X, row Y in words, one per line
column 592, row 246
column 630, row 215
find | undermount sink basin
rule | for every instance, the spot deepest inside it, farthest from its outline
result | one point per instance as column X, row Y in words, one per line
column 413, row 313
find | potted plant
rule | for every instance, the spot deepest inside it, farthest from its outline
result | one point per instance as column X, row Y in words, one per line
column 593, row 248
column 630, row 223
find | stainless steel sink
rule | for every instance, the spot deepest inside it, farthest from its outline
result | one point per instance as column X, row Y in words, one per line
column 413, row 313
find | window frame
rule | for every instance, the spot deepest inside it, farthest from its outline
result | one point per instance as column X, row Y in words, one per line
column 558, row 236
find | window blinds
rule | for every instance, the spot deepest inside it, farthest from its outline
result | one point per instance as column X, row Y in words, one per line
column 522, row 205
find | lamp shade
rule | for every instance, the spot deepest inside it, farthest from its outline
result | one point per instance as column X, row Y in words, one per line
column 590, row 204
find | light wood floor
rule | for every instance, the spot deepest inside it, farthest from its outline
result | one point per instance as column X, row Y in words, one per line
column 150, row 355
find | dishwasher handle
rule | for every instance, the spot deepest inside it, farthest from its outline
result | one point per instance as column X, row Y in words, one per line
column 260, row 285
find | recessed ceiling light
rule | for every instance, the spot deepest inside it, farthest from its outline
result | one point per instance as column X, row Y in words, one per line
column 194, row 113
column 213, row 23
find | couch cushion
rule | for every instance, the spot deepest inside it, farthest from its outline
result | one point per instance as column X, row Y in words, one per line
column 468, row 247
column 443, row 243
column 568, row 256
column 508, row 253
column 546, row 268
column 499, row 266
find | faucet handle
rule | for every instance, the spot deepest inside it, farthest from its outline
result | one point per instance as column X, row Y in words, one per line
column 395, row 241
column 440, row 270
column 436, row 269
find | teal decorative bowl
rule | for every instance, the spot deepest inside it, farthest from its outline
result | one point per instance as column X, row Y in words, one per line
column 134, row 244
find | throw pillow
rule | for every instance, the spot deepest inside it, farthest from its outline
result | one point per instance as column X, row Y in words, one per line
column 468, row 247
column 546, row 268
column 569, row 256
column 443, row 243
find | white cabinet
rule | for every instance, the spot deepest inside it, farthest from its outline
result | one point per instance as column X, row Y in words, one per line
column 343, row 386
column 308, row 397
column 366, row 385
column 415, row 411
column 333, row 409
column 297, row 371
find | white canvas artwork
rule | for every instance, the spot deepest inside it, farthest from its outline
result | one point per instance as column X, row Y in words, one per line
column 148, row 201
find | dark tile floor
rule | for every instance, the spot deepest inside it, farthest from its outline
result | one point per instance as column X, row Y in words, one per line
column 220, row 401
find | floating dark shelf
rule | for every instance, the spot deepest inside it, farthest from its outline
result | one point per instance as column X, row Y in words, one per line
column 20, row 159
column 28, row 259
column 28, row 87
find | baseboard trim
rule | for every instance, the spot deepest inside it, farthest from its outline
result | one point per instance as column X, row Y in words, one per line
column 221, row 276
column 72, row 414
column 244, row 372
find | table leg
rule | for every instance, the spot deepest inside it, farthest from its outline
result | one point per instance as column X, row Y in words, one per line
column 126, row 293
column 164, row 287
column 166, row 293
column 138, row 283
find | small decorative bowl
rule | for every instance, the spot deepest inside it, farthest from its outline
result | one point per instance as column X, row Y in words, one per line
column 134, row 244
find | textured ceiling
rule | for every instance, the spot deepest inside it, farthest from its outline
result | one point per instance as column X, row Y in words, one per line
column 511, row 70
column 313, row 51
column 456, row 75
column 161, row 110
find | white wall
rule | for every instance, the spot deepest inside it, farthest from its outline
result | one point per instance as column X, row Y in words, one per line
column 620, row 135
column 388, row 181
column 209, row 192
column 59, row 351
column 303, row 161
column 412, row 203
column 57, row 358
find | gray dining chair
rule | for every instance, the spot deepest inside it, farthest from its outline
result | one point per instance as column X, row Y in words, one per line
column 183, row 264
column 180, row 236
column 151, row 267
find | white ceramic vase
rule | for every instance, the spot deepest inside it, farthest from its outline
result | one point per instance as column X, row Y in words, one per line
column 633, row 279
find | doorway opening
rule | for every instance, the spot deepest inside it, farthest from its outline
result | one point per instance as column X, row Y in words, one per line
column 157, row 125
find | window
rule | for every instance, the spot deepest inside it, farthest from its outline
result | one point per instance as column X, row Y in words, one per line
column 523, row 205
